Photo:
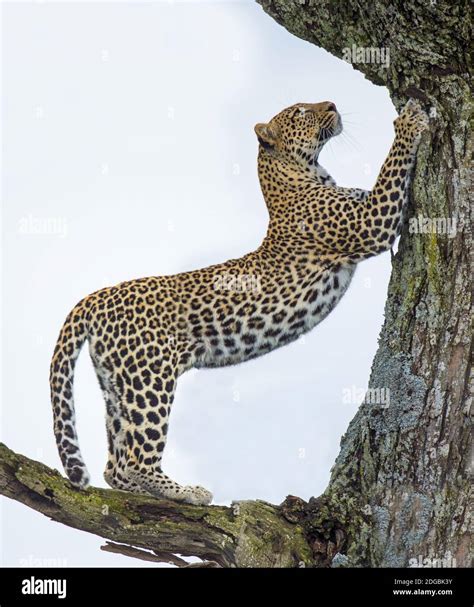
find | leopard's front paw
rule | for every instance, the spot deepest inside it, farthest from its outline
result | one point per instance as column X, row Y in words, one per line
column 413, row 120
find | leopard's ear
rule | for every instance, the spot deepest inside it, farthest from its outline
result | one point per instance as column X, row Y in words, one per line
column 267, row 135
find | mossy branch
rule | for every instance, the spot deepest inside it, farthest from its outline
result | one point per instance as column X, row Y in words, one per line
column 155, row 529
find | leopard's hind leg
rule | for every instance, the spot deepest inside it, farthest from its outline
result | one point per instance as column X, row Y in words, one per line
column 114, row 473
column 147, row 413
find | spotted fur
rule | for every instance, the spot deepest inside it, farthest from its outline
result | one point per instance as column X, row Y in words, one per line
column 143, row 334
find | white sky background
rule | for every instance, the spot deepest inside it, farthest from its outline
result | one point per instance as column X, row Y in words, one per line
column 131, row 126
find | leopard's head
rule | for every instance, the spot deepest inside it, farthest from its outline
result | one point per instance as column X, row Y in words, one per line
column 299, row 132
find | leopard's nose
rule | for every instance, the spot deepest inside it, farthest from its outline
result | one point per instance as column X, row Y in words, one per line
column 330, row 107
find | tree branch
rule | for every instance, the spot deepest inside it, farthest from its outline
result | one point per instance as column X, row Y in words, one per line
column 237, row 536
column 144, row 555
column 427, row 41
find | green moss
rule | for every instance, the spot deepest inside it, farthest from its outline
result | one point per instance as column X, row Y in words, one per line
column 434, row 264
column 260, row 526
column 243, row 536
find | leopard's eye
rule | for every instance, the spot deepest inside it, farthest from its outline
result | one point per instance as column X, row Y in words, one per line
column 305, row 112
column 300, row 112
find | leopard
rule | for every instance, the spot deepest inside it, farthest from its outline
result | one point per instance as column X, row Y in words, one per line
column 144, row 334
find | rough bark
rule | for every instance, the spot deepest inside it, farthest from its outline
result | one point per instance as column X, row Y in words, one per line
column 400, row 485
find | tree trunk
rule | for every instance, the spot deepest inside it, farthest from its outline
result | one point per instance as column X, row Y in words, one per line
column 400, row 487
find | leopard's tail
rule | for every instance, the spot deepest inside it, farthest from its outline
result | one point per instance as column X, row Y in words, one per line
column 70, row 341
